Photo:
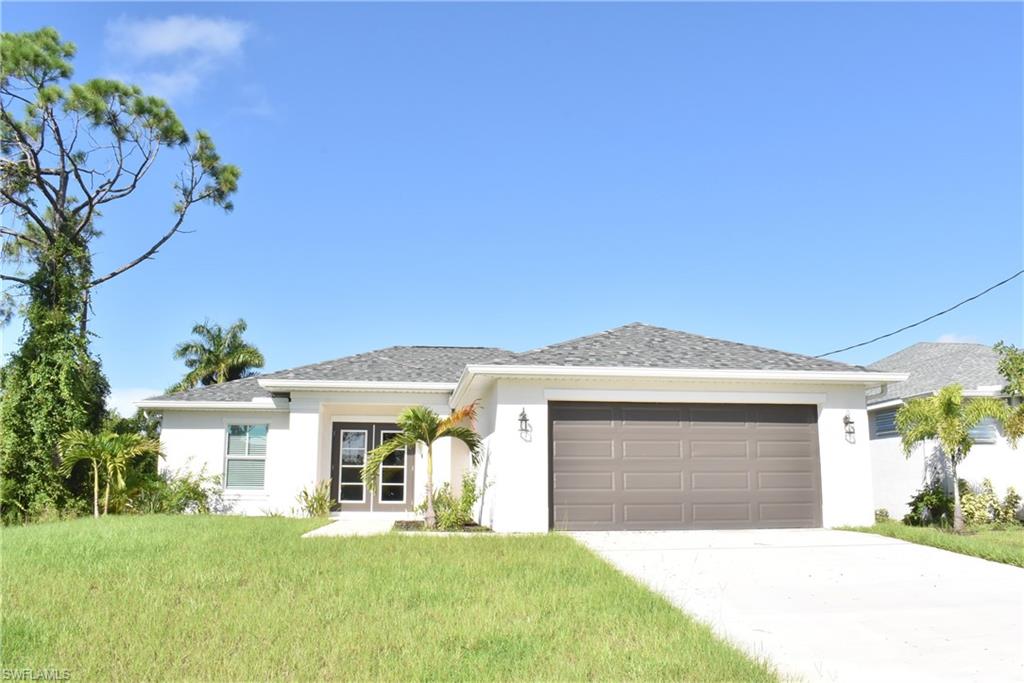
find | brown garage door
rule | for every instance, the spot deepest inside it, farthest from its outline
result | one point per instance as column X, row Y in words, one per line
column 684, row 466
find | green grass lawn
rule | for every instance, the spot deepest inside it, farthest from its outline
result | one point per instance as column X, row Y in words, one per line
column 229, row 598
column 998, row 545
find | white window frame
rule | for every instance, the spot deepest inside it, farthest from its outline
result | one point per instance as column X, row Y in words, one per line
column 342, row 465
column 405, row 472
column 246, row 456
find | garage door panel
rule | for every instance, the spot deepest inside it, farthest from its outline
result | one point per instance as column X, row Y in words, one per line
column 584, row 481
column 648, row 448
column 653, row 512
column 786, row 450
column 571, row 448
column 730, row 513
column 686, row 466
column 720, row 481
column 670, row 480
column 719, row 449
column 713, row 416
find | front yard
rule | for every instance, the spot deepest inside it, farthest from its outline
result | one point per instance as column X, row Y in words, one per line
column 239, row 599
column 998, row 545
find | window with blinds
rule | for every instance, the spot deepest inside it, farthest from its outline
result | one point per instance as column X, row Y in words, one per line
column 883, row 423
column 985, row 432
column 246, row 457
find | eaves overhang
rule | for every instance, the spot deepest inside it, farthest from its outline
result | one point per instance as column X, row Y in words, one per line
column 865, row 378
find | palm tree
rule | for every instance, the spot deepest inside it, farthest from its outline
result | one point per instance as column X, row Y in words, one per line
column 948, row 418
column 217, row 355
column 108, row 451
column 420, row 424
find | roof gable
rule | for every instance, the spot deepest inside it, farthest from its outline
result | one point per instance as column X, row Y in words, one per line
column 393, row 364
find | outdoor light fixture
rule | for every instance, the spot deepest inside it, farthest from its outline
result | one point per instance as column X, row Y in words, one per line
column 524, row 423
column 848, row 425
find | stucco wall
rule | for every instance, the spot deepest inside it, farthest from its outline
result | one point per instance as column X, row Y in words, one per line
column 516, row 466
column 195, row 441
column 897, row 478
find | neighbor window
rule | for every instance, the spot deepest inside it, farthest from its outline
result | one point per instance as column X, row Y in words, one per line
column 884, row 422
column 246, row 457
column 985, row 432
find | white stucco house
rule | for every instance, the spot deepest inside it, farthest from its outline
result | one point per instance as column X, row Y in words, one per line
column 638, row 427
column 929, row 367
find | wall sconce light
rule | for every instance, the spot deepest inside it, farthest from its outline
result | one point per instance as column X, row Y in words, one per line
column 849, row 428
column 524, row 423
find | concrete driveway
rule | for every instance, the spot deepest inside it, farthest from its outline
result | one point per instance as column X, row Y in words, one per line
column 827, row 605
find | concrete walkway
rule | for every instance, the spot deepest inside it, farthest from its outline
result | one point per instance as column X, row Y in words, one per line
column 827, row 605
column 359, row 526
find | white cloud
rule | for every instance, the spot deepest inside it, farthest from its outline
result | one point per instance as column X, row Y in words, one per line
column 123, row 400
column 182, row 34
column 173, row 56
column 953, row 338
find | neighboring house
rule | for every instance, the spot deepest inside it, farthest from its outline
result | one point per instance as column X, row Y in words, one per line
column 931, row 366
column 638, row 427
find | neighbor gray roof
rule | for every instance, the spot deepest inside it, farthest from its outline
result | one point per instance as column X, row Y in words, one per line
column 633, row 345
column 933, row 365
column 393, row 364
column 645, row 346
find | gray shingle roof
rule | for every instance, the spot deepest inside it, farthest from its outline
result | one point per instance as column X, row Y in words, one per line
column 933, row 365
column 633, row 345
column 647, row 346
column 393, row 364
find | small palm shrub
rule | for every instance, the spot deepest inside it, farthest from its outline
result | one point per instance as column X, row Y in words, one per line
column 315, row 502
column 454, row 512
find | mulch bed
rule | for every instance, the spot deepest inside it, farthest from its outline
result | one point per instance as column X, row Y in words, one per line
column 418, row 525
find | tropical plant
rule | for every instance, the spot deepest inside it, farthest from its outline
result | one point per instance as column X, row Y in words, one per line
column 454, row 512
column 1011, row 367
column 979, row 505
column 68, row 152
column 169, row 492
column 931, row 505
column 107, row 452
column 316, row 502
column 217, row 355
column 948, row 418
column 420, row 424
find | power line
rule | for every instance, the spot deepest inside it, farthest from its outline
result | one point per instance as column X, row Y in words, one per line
column 931, row 317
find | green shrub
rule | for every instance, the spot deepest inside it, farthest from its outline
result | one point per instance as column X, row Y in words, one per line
column 1006, row 511
column 454, row 512
column 881, row 515
column 176, row 493
column 931, row 505
column 316, row 503
column 979, row 506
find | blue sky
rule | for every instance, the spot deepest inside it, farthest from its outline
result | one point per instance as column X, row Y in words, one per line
column 800, row 176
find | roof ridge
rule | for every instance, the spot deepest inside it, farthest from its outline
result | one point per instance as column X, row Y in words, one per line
column 593, row 335
column 737, row 343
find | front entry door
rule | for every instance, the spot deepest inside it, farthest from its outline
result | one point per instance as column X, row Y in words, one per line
column 350, row 443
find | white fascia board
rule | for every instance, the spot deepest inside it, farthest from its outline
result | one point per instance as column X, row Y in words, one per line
column 273, row 384
column 253, row 406
column 631, row 396
column 866, row 379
